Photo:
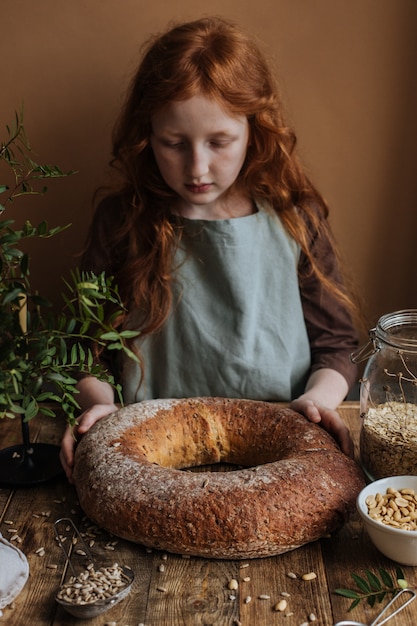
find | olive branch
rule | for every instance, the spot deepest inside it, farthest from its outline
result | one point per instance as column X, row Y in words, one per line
column 374, row 588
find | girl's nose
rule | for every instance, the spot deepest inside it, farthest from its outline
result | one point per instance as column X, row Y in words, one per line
column 197, row 162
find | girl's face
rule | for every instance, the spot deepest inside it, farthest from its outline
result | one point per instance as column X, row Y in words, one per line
column 200, row 150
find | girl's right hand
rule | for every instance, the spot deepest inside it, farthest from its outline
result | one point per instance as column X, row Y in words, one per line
column 73, row 433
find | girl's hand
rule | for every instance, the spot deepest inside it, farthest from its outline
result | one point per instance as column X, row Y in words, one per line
column 328, row 418
column 72, row 434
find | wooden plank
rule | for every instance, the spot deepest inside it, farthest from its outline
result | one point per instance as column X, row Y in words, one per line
column 189, row 591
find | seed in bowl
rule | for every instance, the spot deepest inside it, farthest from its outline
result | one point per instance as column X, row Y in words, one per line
column 92, row 585
column 397, row 508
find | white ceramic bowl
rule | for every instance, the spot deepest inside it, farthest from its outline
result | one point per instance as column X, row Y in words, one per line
column 398, row 545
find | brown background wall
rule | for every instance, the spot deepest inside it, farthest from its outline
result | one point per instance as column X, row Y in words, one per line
column 349, row 78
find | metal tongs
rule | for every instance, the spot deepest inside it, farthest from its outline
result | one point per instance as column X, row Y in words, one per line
column 376, row 621
column 98, row 606
column 76, row 539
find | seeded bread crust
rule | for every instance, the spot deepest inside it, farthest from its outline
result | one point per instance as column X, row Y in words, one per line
column 296, row 485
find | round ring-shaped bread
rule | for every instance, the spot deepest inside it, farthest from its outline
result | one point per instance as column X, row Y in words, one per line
column 296, row 485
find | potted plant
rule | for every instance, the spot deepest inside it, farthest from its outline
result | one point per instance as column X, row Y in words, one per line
column 42, row 350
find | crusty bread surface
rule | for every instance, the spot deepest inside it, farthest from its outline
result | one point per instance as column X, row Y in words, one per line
column 293, row 486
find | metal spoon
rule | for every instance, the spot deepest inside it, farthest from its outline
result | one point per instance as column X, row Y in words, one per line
column 376, row 621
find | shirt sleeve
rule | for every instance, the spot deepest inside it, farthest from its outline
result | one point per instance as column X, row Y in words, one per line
column 97, row 258
column 330, row 329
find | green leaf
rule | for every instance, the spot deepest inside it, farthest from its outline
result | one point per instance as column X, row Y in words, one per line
column 47, row 411
column 131, row 354
column 354, row 604
column 129, row 334
column 361, row 582
column 12, row 296
column 381, row 596
column 347, row 593
column 114, row 346
column 399, row 573
column 386, row 578
column 24, row 265
column 31, row 410
column 42, row 228
column 110, row 336
column 373, row 580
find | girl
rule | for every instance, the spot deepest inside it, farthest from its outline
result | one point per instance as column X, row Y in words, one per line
column 218, row 240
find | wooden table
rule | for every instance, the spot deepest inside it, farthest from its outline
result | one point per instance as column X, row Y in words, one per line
column 184, row 591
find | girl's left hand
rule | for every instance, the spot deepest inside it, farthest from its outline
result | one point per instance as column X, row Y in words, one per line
column 328, row 418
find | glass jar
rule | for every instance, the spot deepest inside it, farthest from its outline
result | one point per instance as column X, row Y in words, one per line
column 388, row 397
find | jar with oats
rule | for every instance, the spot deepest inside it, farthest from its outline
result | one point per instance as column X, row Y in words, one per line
column 388, row 397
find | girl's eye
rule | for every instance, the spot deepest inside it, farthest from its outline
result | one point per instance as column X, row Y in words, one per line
column 219, row 144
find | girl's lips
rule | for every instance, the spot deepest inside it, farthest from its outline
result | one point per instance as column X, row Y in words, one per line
column 199, row 188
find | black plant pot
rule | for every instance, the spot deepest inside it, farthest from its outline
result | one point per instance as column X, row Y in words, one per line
column 29, row 463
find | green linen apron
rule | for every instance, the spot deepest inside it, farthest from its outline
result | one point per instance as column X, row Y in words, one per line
column 236, row 328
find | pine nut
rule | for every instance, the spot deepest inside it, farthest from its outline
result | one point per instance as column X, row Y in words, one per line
column 281, row 606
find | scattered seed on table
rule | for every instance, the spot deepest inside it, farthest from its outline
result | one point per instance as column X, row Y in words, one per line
column 312, row 617
column 233, row 584
column 246, row 579
column 291, row 575
column 243, row 565
column 161, row 568
column 264, row 596
column 248, row 599
column 280, row 606
column 309, row 576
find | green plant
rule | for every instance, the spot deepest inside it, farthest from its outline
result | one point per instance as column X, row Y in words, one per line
column 374, row 587
column 40, row 350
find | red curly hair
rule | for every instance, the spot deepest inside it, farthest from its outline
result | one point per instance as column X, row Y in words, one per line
column 213, row 57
